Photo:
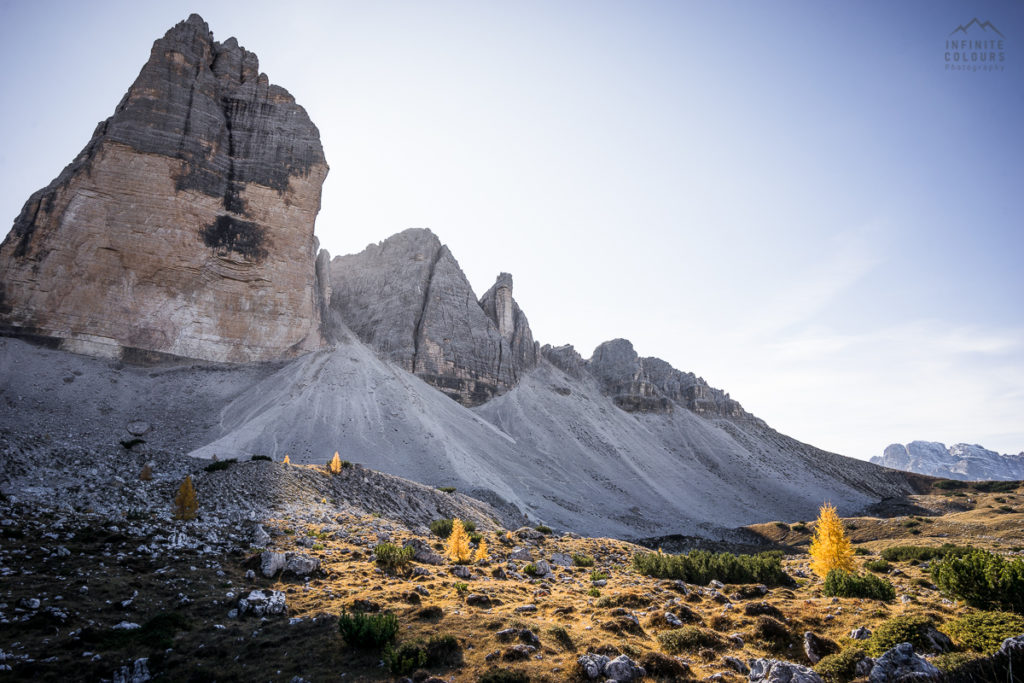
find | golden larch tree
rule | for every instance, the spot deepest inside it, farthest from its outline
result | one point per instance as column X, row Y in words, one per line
column 830, row 548
column 287, row 460
column 457, row 547
column 185, row 503
column 335, row 464
column 482, row 555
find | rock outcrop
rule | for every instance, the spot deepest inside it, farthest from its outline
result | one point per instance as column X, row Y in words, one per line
column 960, row 461
column 185, row 226
column 408, row 299
column 649, row 385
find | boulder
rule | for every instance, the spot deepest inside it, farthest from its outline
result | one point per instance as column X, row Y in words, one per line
column 301, row 565
column 271, row 563
column 262, row 603
column 901, row 663
column 767, row 670
column 623, row 669
column 816, row 647
column 423, row 552
column 185, row 225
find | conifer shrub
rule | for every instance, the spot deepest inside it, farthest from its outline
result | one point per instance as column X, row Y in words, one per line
column 446, row 489
column 438, row 651
column 830, row 548
column 702, row 566
column 129, row 444
column 907, row 628
column 689, row 638
column 598, row 575
column 530, row 569
column 984, row 631
column 185, row 503
column 861, row 551
column 772, row 632
column 843, row 584
column 442, row 527
column 906, row 553
column 393, row 558
column 146, row 474
column 594, row 592
column 950, row 484
column 368, row 631
column 582, row 560
column 461, row 587
column 982, row 579
column 220, row 465
column 544, row 529
column 842, row 666
column 877, row 566
column 257, row 458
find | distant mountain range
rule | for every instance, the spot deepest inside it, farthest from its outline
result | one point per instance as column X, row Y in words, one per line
column 959, row 461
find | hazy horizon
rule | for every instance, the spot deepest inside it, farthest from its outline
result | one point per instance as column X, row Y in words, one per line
column 799, row 203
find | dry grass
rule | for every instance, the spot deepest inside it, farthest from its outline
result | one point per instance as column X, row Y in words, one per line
column 567, row 620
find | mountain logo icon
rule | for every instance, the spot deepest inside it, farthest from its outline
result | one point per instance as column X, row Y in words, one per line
column 983, row 25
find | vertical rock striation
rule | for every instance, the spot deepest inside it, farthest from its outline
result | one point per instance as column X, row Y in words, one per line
column 185, row 226
column 408, row 299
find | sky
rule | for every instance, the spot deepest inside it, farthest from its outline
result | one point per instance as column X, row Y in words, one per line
column 798, row 201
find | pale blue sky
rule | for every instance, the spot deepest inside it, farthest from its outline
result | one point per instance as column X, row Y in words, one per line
column 794, row 200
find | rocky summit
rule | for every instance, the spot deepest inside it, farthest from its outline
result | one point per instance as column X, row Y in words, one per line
column 959, row 461
column 185, row 226
column 408, row 299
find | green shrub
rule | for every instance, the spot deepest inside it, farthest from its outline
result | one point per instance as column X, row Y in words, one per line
column 950, row 484
column 984, row 632
column 911, row 523
column 444, row 651
column 799, row 526
column 841, row 666
column 442, row 528
column 598, row 575
column 582, row 560
column 678, row 640
column 982, row 579
column 393, row 558
column 701, row 566
column 318, row 546
column 503, row 676
column 846, row 585
column 218, row 465
column 475, row 537
column 594, row 592
column 446, row 489
column 996, row 486
column 951, row 661
column 877, row 566
column 543, row 529
column 905, row 553
column 461, row 588
column 404, row 659
column 261, row 457
column 129, row 444
column 530, row 569
column 861, row 551
column 903, row 629
column 368, row 631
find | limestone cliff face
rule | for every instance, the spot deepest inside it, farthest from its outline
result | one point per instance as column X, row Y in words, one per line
column 960, row 461
column 408, row 299
column 650, row 385
column 185, row 226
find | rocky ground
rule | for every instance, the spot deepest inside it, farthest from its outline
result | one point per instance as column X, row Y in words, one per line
column 100, row 583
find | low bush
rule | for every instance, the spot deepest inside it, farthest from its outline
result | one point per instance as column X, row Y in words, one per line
column 530, row 569
column 461, row 587
column 442, row 528
column 861, row 551
column 702, row 566
column 368, row 631
column 219, row 465
column 261, row 457
column 446, row 489
column 841, row 584
column 543, row 529
column 982, row 579
column 597, row 575
column 562, row 637
column 841, row 666
column 594, row 593
column 984, row 632
column 582, row 560
column 663, row 667
column 950, row 484
column 689, row 638
column 905, row 553
column 908, row 628
column 996, row 486
column 877, row 566
column 405, row 658
column 393, row 558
